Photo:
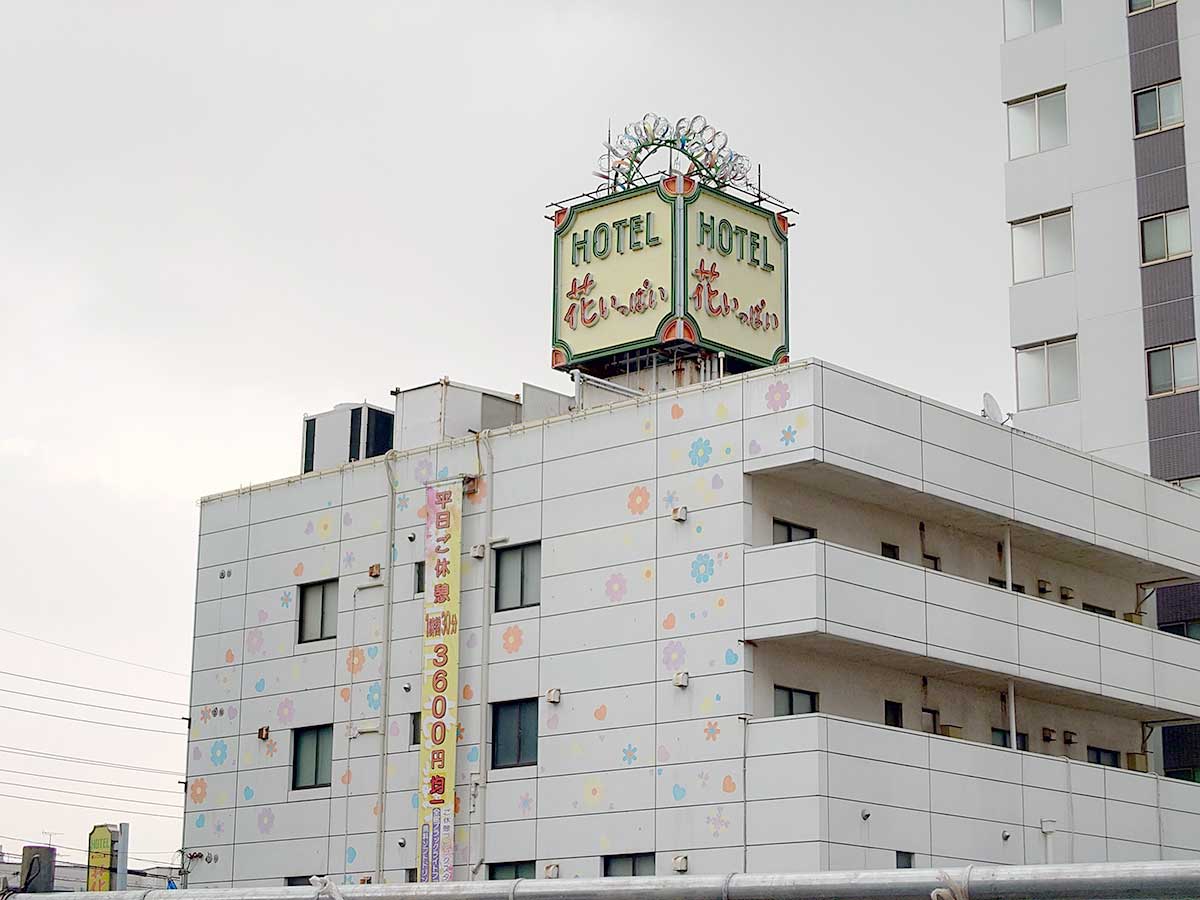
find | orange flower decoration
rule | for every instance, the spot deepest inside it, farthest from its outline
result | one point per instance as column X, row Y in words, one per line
column 639, row 500
column 198, row 791
column 480, row 493
column 355, row 660
column 513, row 639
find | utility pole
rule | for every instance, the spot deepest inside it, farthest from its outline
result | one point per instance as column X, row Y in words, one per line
column 50, row 837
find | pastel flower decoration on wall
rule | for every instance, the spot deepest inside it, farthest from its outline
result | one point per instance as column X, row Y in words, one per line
column 670, row 499
column 348, row 559
column 615, row 587
column 787, row 437
column 629, row 755
column 219, row 753
column 525, row 804
column 423, row 471
column 593, row 793
column 324, row 526
column 673, row 656
column 198, row 791
column 286, row 600
column 375, row 696
column 402, row 502
column 355, row 660
column 717, row 822
column 285, row 711
column 701, row 452
column 711, row 731
column 778, row 396
column 270, row 747
column 266, row 820
column 702, row 568
column 639, row 500
column 254, row 641
column 512, row 639
column 204, row 715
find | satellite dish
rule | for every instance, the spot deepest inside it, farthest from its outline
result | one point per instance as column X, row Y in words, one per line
column 991, row 409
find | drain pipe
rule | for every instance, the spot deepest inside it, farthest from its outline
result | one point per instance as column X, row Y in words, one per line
column 479, row 787
column 1012, row 714
column 388, row 563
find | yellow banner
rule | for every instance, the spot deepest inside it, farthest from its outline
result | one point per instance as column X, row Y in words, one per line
column 439, row 681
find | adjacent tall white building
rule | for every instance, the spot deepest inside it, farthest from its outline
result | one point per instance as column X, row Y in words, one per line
column 1099, row 96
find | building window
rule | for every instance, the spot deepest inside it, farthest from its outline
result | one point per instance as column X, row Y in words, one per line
column 891, row 551
column 1099, row 610
column 1042, row 246
column 629, row 864
column 1137, row 6
column 929, row 561
column 1102, row 757
column 1047, row 374
column 786, row 532
column 414, row 729
column 310, row 444
column 518, row 577
column 1037, row 124
column 893, row 714
column 1022, row 17
column 312, row 757
column 794, row 702
column 904, row 859
column 318, row 611
column 410, row 876
column 999, row 582
column 1172, row 370
column 514, row 733
column 511, row 871
column 1184, row 629
column 1168, row 236
column 418, row 578
column 297, row 880
column 1184, row 774
column 1158, row 108
column 931, row 720
column 1000, row 739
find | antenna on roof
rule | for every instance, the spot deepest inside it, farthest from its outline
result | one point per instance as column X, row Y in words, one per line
column 991, row 410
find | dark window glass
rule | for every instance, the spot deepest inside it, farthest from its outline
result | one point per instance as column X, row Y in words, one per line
column 785, row 532
column 1103, row 757
column 312, row 757
column 1099, row 610
column 1000, row 738
column 514, row 733
column 893, row 714
column 518, row 577
column 355, row 432
column 999, row 582
column 931, row 562
column 629, row 865
column 904, row 859
column 297, row 880
column 318, row 611
column 379, row 432
column 1184, row 774
column 794, row 702
column 414, row 729
column 930, row 720
column 419, row 577
column 410, row 876
column 510, row 871
column 891, row 551
column 310, row 443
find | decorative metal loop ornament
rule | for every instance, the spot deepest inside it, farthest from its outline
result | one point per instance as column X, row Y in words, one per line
column 705, row 147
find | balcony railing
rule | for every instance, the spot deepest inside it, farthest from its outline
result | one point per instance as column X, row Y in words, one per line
column 863, row 792
column 815, row 586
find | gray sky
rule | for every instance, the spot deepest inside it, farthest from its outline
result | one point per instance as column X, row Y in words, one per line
column 216, row 217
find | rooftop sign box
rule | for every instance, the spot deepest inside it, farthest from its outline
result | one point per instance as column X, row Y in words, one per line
column 674, row 263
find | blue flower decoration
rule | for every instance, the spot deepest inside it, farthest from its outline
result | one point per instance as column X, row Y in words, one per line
column 787, row 436
column 219, row 753
column 702, row 568
column 629, row 755
column 374, row 696
column 671, row 499
column 701, row 452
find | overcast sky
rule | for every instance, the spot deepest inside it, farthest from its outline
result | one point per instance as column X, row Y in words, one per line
column 216, row 217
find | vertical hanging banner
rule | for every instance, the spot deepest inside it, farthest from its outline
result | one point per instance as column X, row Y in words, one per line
column 439, row 681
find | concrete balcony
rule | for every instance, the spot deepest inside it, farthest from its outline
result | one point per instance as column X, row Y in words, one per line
column 931, row 622
column 830, row 793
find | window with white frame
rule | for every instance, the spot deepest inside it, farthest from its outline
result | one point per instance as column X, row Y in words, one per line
column 1022, row 17
column 1137, row 6
column 1166, row 236
column 1158, row 108
column 1172, row 370
column 1047, row 373
column 1042, row 246
column 1037, row 123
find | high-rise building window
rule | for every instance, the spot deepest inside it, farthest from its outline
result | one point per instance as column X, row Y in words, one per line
column 794, row 702
column 1102, row 757
column 1171, row 370
column 629, row 865
column 1137, row 6
column 511, row 871
column 1158, row 108
column 1037, row 123
column 1022, row 17
column 1047, row 374
column 1168, row 236
column 786, row 532
column 904, row 859
column 1042, row 246
column 514, row 733
column 312, row 757
column 318, row 611
column 1000, row 738
column 518, row 577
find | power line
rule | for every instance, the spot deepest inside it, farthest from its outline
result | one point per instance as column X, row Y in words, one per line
column 130, row 787
column 39, row 754
column 12, row 837
column 34, row 787
column 34, row 712
column 122, row 709
column 34, row 637
column 84, row 687
column 134, row 812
